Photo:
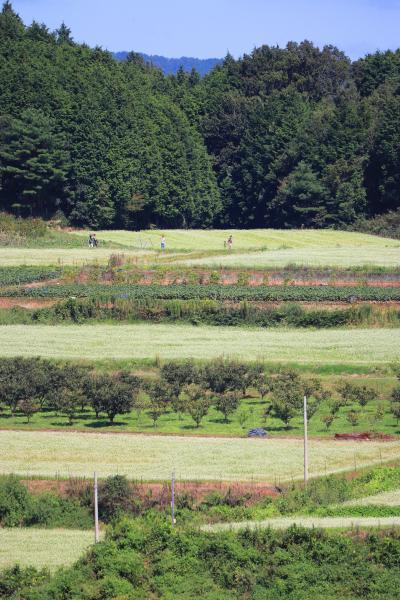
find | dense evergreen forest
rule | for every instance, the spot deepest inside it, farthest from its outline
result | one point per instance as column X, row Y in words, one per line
column 281, row 137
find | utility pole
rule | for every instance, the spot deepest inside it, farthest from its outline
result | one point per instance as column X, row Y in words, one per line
column 96, row 511
column 173, row 499
column 305, row 442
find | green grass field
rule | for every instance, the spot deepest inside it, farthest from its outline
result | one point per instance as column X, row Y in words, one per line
column 51, row 548
column 51, row 454
column 146, row 341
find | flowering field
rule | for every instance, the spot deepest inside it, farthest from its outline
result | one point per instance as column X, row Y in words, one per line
column 51, row 548
column 146, row 341
column 151, row 457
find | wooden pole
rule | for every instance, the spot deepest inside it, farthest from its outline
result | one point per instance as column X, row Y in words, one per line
column 173, row 499
column 96, row 511
column 305, row 442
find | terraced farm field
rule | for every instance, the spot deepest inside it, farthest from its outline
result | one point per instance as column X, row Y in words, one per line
column 252, row 248
column 149, row 457
column 204, row 240
column 61, row 256
column 341, row 255
column 143, row 341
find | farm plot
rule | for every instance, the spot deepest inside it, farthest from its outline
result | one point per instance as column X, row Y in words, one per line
column 51, row 548
column 146, row 341
column 233, row 293
column 205, row 240
column 320, row 256
column 62, row 256
column 150, row 457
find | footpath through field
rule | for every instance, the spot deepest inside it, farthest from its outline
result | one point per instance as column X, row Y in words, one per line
column 308, row 522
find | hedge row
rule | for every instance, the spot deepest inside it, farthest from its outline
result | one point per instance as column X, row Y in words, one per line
column 214, row 292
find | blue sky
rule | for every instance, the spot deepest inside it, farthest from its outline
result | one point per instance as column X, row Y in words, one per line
column 209, row 28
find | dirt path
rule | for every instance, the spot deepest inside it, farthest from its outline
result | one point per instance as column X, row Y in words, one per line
column 26, row 303
column 308, row 522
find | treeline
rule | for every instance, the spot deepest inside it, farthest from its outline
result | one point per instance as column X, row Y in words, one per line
column 281, row 137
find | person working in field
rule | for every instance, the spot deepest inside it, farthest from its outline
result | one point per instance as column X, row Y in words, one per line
column 93, row 243
column 163, row 243
column 230, row 242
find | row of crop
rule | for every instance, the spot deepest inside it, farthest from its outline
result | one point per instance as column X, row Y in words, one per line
column 26, row 274
column 215, row 292
column 206, row 312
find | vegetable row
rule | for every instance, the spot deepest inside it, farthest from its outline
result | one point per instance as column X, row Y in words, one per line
column 215, row 292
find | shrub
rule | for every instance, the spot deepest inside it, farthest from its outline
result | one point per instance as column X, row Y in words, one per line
column 115, row 496
column 17, row 578
column 15, row 502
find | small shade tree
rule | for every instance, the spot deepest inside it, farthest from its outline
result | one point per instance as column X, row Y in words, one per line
column 365, row 394
column 68, row 403
column 160, row 395
column 196, row 402
column 116, row 398
column 221, row 376
column 353, row 418
column 28, row 408
column 227, row 402
column 328, row 420
column 395, row 410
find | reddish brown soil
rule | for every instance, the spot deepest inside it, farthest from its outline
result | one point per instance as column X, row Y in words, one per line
column 256, row 278
column 364, row 436
column 30, row 303
column 198, row 490
column 39, row 284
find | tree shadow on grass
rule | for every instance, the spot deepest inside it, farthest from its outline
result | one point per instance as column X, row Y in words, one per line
column 220, row 421
column 79, row 417
column 279, row 428
column 105, row 423
column 190, row 427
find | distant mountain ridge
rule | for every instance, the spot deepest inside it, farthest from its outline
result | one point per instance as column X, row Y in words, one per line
column 170, row 66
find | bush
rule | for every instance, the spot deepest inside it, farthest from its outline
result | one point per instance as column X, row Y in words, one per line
column 387, row 225
column 15, row 579
column 14, row 230
column 115, row 496
column 15, row 502
column 19, row 508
